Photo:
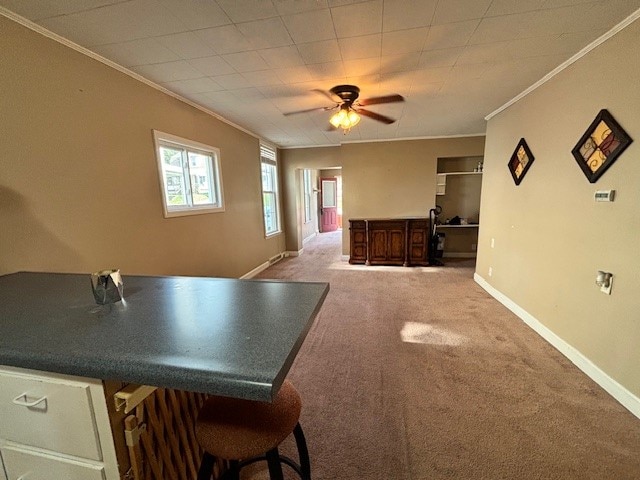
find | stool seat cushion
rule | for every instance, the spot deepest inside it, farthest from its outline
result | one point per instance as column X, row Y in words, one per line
column 236, row 429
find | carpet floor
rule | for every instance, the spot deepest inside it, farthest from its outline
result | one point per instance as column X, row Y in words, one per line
column 418, row 373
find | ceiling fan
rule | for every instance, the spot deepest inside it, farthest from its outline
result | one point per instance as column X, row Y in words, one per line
column 350, row 108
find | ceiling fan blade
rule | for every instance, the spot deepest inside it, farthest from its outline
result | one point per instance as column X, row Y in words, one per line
column 329, row 95
column 375, row 116
column 385, row 99
column 326, row 109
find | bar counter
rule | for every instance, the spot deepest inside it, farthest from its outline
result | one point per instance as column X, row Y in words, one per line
column 217, row 336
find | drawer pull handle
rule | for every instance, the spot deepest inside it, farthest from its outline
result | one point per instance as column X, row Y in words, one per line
column 24, row 403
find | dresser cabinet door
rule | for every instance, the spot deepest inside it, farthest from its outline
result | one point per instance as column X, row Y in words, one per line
column 387, row 242
column 418, row 242
column 358, row 241
column 48, row 414
column 30, row 465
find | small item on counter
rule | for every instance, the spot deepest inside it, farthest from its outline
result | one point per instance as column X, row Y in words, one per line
column 107, row 286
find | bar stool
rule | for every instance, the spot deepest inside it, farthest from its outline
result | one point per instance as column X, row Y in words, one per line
column 245, row 431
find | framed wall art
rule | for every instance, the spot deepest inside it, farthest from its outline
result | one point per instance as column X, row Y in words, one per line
column 520, row 161
column 600, row 146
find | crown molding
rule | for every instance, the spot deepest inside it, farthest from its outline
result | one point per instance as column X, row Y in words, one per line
column 598, row 41
column 403, row 139
column 294, row 147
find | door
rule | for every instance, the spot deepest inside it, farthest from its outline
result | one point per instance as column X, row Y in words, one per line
column 329, row 204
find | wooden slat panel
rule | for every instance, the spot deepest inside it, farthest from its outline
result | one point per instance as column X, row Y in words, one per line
column 168, row 419
column 167, row 448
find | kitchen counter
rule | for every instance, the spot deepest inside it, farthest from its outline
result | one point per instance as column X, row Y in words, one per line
column 219, row 336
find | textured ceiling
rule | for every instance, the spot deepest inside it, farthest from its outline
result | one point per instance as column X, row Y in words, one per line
column 454, row 61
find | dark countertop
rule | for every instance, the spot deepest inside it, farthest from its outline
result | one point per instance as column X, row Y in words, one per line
column 220, row 336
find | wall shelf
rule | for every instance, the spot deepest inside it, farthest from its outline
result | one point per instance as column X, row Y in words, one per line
column 459, row 173
column 458, row 194
column 441, row 180
column 475, row 225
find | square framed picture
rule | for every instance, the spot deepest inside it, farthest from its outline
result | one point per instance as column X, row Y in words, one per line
column 520, row 161
column 600, row 146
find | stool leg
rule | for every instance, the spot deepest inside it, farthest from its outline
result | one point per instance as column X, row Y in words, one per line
column 206, row 467
column 235, row 470
column 275, row 467
column 303, row 452
column 232, row 471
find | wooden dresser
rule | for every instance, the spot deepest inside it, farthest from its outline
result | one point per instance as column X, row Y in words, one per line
column 389, row 241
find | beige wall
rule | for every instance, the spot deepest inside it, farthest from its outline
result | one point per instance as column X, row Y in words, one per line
column 381, row 179
column 550, row 235
column 392, row 179
column 79, row 187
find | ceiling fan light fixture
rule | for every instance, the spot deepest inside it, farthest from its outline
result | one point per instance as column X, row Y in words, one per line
column 345, row 118
column 336, row 118
column 354, row 118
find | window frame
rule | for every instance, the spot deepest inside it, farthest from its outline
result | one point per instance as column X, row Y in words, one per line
column 163, row 139
column 307, row 195
column 273, row 162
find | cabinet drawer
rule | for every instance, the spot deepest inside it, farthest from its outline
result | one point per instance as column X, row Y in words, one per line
column 28, row 465
column 62, row 421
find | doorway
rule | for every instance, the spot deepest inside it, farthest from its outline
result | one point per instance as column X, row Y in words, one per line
column 330, row 201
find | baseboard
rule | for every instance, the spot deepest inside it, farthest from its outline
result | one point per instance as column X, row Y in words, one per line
column 293, row 253
column 263, row 266
column 459, row 255
column 310, row 237
column 255, row 271
column 345, row 258
column 617, row 391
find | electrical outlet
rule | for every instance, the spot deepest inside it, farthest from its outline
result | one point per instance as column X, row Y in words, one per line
column 493, row 242
column 490, row 271
column 605, row 281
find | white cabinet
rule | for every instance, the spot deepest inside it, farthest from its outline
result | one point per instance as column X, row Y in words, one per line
column 54, row 427
column 32, row 465
column 34, row 411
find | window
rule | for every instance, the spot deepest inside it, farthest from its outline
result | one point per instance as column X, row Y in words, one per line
column 269, row 190
column 189, row 174
column 306, row 176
